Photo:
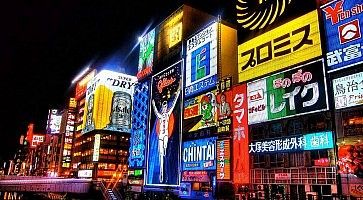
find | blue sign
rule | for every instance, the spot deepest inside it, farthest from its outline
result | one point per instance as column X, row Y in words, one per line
column 201, row 86
column 343, row 22
column 321, row 140
column 199, row 154
column 139, row 125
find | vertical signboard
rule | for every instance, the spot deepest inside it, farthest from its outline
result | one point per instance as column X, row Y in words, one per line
column 224, row 102
column 289, row 44
column 54, row 121
column 140, row 124
column 348, row 91
column 164, row 135
column 96, row 148
column 343, row 21
column 241, row 159
column 108, row 102
column 146, row 56
column 81, row 86
column 201, row 61
column 68, row 139
column 223, row 160
column 199, row 154
column 293, row 92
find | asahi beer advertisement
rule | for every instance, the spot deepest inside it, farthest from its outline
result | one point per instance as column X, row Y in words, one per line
column 241, row 161
column 201, row 61
column 165, row 127
column 343, row 21
column 108, row 102
column 294, row 92
column 348, row 91
column 146, row 56
column 200, row 112
column 140, row 125
column 199, row 154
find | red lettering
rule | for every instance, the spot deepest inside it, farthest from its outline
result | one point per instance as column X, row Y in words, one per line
column 165, row 82
column 333, row 13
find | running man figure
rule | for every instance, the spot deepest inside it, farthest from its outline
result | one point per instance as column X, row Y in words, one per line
column 163, row 117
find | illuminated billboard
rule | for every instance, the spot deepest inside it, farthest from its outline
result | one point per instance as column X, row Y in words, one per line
column 140, row 119
column 241, row 159
column 201, row 61
column 165, row 126
column 293, row 92
column 108, row 102
column 223, row 160
column 312, row 141
column 200, row 112
column 348, row 91
column 343, row 21
column 72, row 104
column 96, row 148
column 68, row 139
column 170, row 33
column 81, row 86
column 199, row 154
column 289, row 44
column 224, row 103
column 146, row 56
column 54, row 121
column 36, row 140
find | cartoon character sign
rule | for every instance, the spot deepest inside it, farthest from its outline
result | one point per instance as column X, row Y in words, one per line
column 164, row 137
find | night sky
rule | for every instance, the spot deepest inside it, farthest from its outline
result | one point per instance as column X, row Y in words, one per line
column 45, row 44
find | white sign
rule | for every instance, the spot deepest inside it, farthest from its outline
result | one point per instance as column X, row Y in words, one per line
column 54, row 121
column 282, row 176
column 96, row 148
column 257, row 101
column 201, row 60
column 85, row 173
column 348, row 91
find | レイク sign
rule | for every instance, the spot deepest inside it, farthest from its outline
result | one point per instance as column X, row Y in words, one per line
column 313, row 141
column 290, row 44
column 343, row 21
column 348, row 91
column 201, row 61
column 293, row 92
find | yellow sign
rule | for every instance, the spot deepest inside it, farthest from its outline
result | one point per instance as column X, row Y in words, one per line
column 175, row 34
column 72, row 103
column 290, row 44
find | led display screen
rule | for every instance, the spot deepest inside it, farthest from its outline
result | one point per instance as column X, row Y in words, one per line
column 201, row 61
column 312, row 141
column 343, row 21
column 140, row 119
column 165, row 126
column 289, row 44
column 293, row 92
column 223, row 160
column 54, row 121
column 108, row 102
column 200, row 112
column 241, row 160
column 348, row 91
column 146, row 56
column 199, row 154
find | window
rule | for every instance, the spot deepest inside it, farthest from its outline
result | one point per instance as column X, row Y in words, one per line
column 276, row 130
column 277, row 160
column 295, row 127
column 258, row 161
column 257, row 132
column 296, row 159
column 353, row 123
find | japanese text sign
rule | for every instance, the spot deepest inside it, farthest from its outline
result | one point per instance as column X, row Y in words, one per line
column 348, row 91
column 199, row 154
column 313, row 141
column 241, row 161
column 223, row 160
column 343, row 20
column 293, row 92
column 201, row 61
column 289, row 44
